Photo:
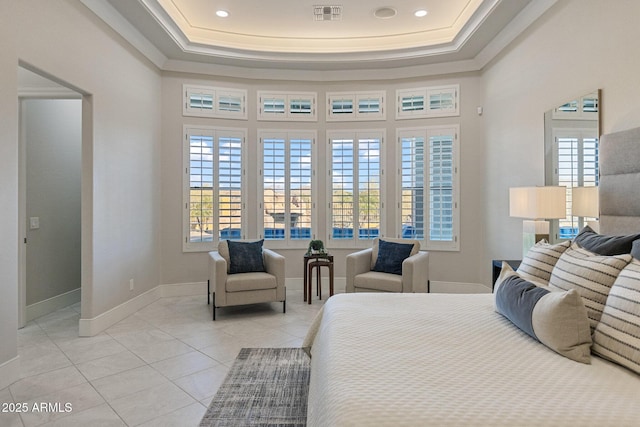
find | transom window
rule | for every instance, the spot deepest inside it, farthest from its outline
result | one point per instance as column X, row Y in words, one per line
column 355, row 106
column 209, row 101
column 214, row 196
column 428, row 186
column 355, row 189
column 279, row 106
column 425, row 102
column 287, row 204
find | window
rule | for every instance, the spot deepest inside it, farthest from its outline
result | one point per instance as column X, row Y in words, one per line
column 287, row 170
column 214, row 196
column 355, row 188
column 583, row 108
column 428, row 186
column 575, row 165
column 279, row 106
column 437, row 101
column 207, row 101
column 355, row 106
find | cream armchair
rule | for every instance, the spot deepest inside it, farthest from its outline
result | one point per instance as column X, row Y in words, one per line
column 229, row 288
column 362, row 278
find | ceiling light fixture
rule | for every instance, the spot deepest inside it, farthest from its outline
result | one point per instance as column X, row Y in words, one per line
column 420, row 13
column 385, row 12
column 222, row 13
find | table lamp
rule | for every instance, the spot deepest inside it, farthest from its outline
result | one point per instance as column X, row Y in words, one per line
column 536, row 205
column 585, row 203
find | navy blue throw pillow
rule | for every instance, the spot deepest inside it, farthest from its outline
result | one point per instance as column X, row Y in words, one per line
column 605, row 245
column 245, row 257
column 391, row 255
column 515, row 300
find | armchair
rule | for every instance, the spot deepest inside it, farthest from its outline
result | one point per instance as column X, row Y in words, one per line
column 361, row 276
column 238, row 288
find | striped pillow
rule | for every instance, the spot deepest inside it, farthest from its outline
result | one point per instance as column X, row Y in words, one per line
column 590, row 274
column 538, row 264
column 617, row 336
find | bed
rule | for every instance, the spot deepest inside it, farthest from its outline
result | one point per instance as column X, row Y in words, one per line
column 469, row 360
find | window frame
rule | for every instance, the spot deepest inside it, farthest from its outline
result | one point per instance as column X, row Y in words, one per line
column 216, row 94
column 426, row 132
column 288, row 114
column 580, row 135
column 356, row 114
column 216, row 132
column 581, row 112
column 356, row 136
column 427, row 93
column 287, row 135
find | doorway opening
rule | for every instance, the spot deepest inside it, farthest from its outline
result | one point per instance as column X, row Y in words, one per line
column 52, row 140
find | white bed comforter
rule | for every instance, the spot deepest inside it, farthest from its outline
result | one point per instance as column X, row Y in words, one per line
column 451, row 360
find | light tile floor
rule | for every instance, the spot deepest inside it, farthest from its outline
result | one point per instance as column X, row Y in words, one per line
column 158, row 367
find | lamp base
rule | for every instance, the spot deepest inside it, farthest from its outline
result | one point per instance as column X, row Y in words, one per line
column 533, row 232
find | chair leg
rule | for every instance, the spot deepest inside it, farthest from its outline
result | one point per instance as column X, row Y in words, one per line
column 284, row 303
column 213, row 307
column 208, row 292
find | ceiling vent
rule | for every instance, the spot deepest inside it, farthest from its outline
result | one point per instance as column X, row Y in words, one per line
column 327, row 13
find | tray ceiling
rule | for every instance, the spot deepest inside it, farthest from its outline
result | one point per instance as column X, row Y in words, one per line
column 312, row 35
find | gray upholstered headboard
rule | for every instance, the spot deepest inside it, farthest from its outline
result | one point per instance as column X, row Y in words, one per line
column 619, row 190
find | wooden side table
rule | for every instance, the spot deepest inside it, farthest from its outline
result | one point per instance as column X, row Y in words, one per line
column 326, row 258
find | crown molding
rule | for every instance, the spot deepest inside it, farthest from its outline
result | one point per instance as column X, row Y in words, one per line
column 518, row 24
column 120, row 25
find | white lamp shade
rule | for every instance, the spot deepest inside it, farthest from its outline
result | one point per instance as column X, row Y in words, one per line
column 538, row 202
column 585, row 202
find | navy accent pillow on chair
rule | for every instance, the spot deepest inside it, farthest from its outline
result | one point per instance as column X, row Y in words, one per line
column 245, row 257
column 391, row 255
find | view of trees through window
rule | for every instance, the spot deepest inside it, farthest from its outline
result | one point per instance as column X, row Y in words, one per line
column 215, row 186
column 287, row 192
column 355, row 187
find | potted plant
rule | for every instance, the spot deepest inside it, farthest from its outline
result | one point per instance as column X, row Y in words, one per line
column 316, row 247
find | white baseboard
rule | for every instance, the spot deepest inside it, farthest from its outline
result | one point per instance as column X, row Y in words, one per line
column 91, row 327
column 439, row 287
column 183, row 289
column 9, row 372
column 52, row 304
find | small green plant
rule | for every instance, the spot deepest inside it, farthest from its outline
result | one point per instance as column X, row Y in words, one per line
column 315, row 246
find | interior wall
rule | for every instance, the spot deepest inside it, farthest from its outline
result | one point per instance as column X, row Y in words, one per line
column 52, row 134
column 9, row 363
column 463, row 266
column 576, row 47
column 123, row 93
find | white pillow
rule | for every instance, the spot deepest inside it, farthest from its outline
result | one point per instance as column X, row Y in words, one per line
column 538, row 264
column 617, row 336
column 590, row 274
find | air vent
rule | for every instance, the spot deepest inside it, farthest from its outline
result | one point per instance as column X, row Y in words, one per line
column 327, row 13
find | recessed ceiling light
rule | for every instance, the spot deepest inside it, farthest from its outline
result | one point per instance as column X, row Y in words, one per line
column 222, row 13
column 420, row 13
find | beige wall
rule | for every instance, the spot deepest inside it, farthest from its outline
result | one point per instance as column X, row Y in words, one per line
column 576, row 47
column 65, row 40
column 8, row 196
column 462, row 266
column 51, row 132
